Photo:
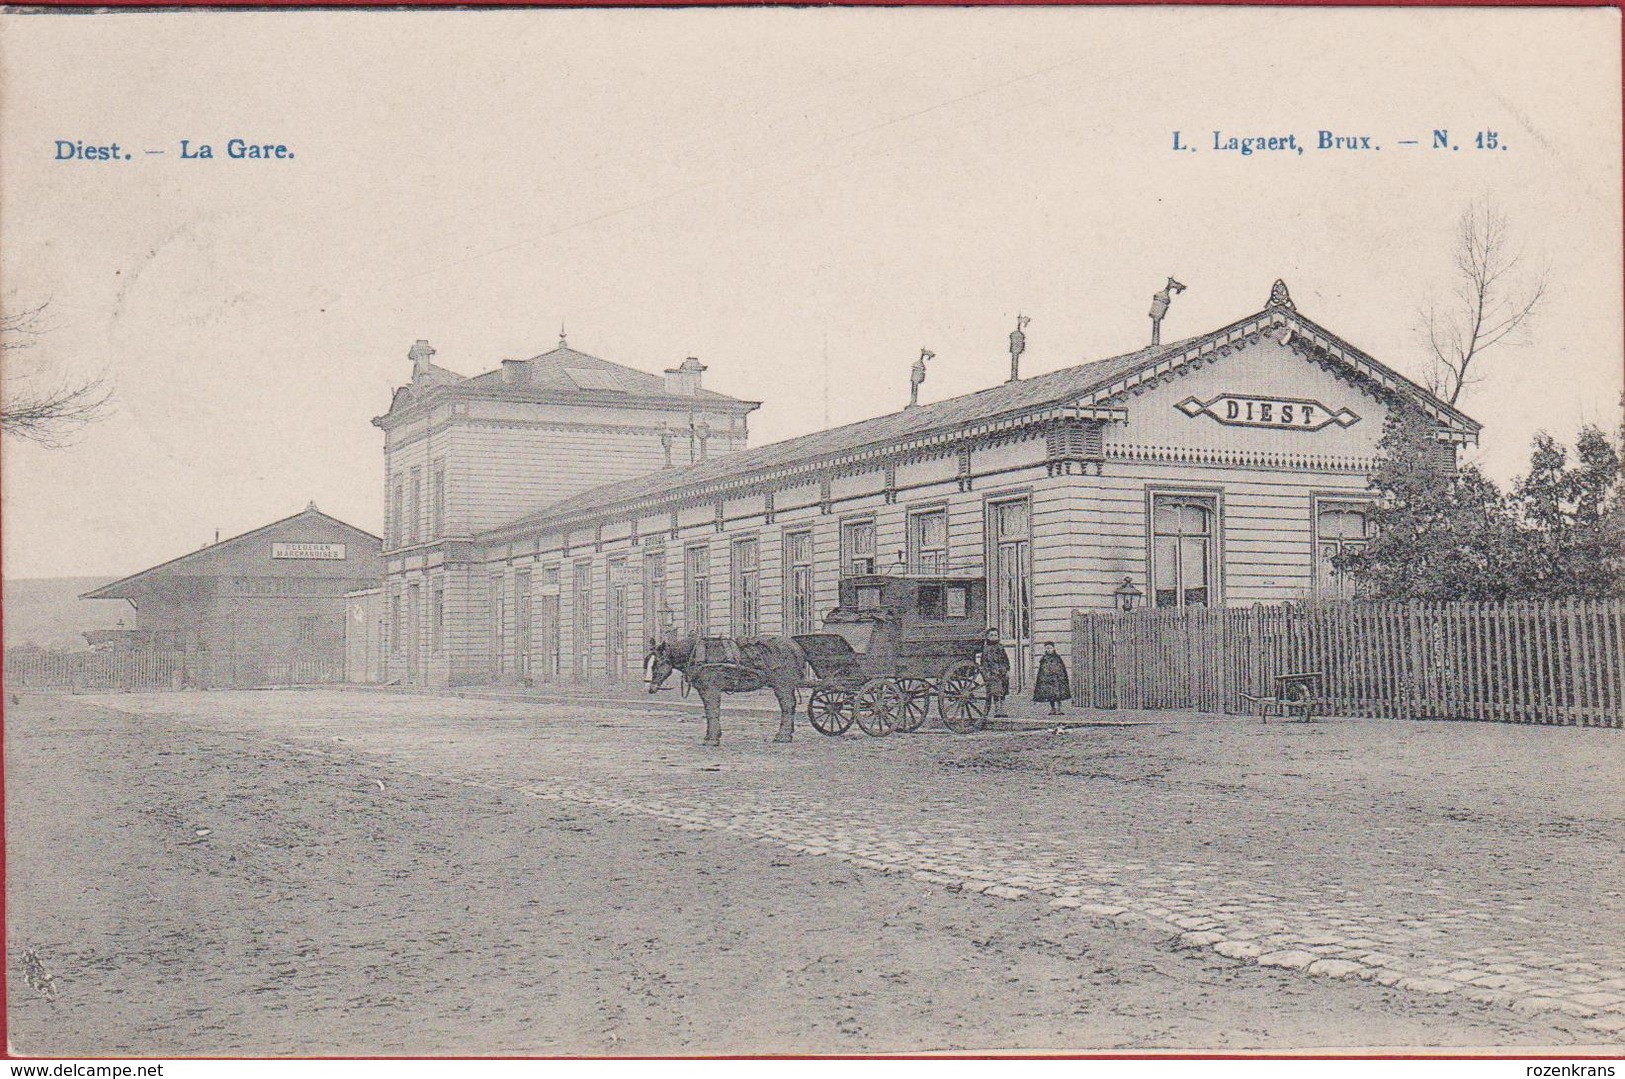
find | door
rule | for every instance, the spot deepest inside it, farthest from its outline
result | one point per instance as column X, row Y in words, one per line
column 521, row 625
column 615, row 626
column 547, row 621
column 414, row 639
column 581, row 618
column 1012, row 583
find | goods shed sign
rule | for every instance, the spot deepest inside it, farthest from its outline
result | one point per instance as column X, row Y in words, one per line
column 1293, row 413
column 332, row 552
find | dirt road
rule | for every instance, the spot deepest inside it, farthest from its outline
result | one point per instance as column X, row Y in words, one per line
column 198, row 882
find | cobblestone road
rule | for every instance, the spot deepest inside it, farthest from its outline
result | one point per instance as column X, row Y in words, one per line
column 1482, row 861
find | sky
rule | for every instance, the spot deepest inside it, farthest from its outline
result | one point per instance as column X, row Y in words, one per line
column 804, row 199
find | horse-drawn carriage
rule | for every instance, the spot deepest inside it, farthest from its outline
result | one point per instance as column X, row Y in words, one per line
column 896, row 646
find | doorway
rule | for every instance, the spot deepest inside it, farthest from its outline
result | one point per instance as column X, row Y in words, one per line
column 1010, row 526
column 615, row 626
column 414, row 637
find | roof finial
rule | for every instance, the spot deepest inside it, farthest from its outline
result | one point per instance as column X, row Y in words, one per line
column 1018, row 345
column 917, row 376
column 563, row 343
column 1280, row 297
column 1159, row 307
column 311, row 507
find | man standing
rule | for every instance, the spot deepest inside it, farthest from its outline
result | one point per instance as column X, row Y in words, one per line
column 995, row 664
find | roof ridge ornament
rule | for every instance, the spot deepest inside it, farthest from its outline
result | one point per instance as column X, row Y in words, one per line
column 1280, row 297
column 563, row 341
column 1159, row 307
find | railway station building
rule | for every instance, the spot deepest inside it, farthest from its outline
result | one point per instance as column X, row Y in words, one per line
column 546, row 519
column 264, row 607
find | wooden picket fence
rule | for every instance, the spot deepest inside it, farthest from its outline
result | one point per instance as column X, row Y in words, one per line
column 1556, row 663
column 89, row 672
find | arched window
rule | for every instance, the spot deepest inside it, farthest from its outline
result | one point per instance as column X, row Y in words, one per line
column 1341, row 528
column 1183, row 559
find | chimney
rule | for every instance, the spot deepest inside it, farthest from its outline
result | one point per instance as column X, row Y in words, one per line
column 516, row 372
column 684, row 379
column 420, row 355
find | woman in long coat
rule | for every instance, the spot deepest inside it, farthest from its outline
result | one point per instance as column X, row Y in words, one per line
column 995, row 664
column 1052, row 685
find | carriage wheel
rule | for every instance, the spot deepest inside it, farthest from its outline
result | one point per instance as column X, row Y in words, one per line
column 916, row 703
column 963, row 700
column 830, row 711
column 879, row 706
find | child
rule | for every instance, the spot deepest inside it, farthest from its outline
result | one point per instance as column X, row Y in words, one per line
column 1052, row 685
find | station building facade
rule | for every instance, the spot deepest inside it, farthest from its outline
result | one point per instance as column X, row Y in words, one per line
column 267, row 606
column 1224, row 469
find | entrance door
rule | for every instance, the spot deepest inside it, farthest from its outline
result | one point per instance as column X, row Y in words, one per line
column 581, row 618
column 615, row 625
column 414, row 639
column 521, row 625
column 1012, row 584
column 547, row 615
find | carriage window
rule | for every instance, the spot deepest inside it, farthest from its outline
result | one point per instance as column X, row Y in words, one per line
column 1182, row 551
column 1341, row 528
column 928, row 542
column 931, row 603
column 958, row 604
column 857, row 548
column 868, row 597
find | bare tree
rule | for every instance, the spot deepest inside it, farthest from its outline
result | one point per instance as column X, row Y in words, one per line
column 36, row 407
column 1491, row 298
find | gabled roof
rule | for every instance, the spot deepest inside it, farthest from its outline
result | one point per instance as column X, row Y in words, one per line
column 1089, row 390
column 199, row 561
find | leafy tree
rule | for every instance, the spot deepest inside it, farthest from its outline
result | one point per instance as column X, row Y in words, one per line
column 1572, row 543
column 1439, row 533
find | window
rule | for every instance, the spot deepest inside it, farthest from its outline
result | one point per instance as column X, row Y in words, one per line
column 697, row 587
column 395, row 622
column 944, row 601
column 414, row 506
column 437, row 618
column 1341, row 528
column 1182, row 551
column 746, row 564
column 655, row 611
column 798, row 585
column 397, row 518
column 928, row 542
column 857, row 548
column 309, row 632
column 437, row 501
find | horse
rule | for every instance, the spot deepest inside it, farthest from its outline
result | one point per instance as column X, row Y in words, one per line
column 752, row 662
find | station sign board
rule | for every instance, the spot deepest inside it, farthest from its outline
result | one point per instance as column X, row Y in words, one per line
column 1288, row 413
column 330, row 552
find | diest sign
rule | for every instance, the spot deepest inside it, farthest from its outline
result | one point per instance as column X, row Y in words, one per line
column 326, row 551
column 1238, row 410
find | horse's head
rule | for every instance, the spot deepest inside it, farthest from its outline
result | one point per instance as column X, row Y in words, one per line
column 663, row 658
